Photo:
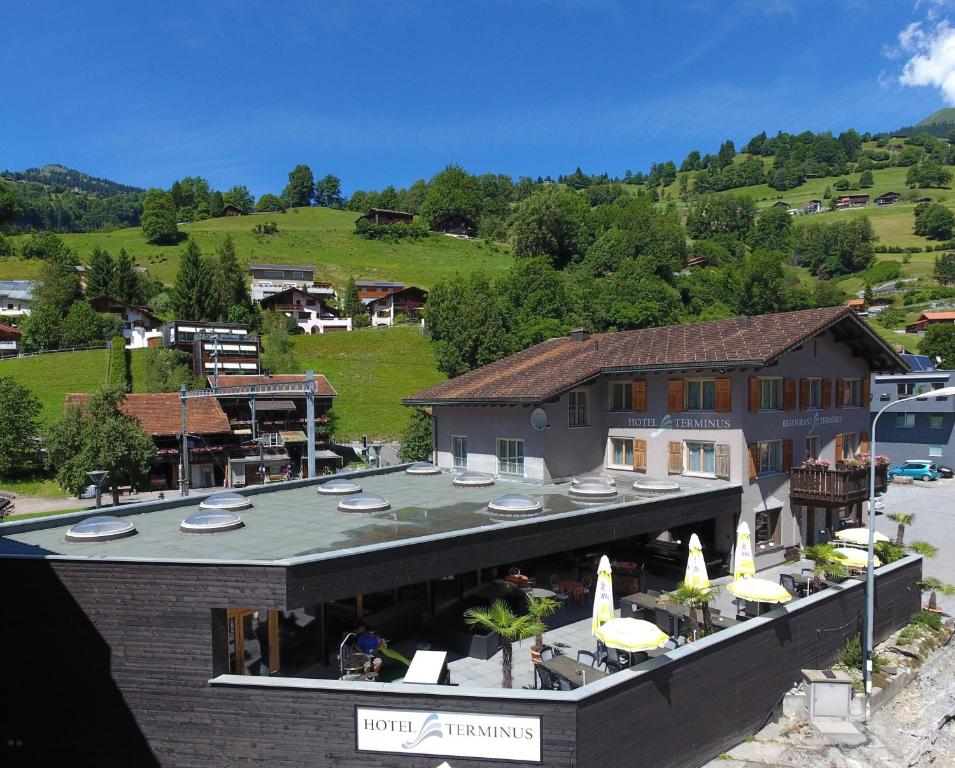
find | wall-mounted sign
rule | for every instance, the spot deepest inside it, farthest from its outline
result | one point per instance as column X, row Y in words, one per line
column 677, row 422
column 448, row 734
column 812, row 421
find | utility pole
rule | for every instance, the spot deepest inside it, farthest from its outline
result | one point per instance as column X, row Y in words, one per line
column 184, row 448
column 252, row 408
column 310, row 419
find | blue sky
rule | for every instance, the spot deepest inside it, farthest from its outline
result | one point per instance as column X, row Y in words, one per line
column 386, row 92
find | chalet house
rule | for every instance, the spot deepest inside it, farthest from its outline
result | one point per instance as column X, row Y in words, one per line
column 215, row 347
column 781, row 204
column 272, row 425
column 405, row 301
column 895, row 149
column 268, row 279
column 9, row 340
column 923, row 200
column 752, row 401
column 312, row 313
column 382, row 216
column 812, row 206
column 15, row 297
column 855, row 304
column 888, row 198
column 458, row 226
column 139, row 324
column 230, row 209
column 852, row 201
column 930, row 318
column 160, row 414
column 368, row 290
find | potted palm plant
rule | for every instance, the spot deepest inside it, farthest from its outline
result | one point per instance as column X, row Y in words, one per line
column 695, row 598
column 826, row 563
column 540, row 608
column 933, row 586
column 511, row 627
column 901, row 520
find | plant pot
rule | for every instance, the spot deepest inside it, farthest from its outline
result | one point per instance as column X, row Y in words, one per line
column 536, row 654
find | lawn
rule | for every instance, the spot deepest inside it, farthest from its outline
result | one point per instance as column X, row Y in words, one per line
column 320, row 237
column 372, row 370
column 39, row 486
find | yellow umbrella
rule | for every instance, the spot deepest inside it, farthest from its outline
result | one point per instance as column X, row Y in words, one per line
column 758, row 590
column 855, row 558
column 696, row 575
column 743, row 562
column 603, row 596
column 859, row 536
column 631, row 635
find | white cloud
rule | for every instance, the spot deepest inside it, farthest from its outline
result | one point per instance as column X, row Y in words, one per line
column 931, row 57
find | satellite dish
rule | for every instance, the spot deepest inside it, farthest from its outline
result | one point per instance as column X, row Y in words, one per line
column 539, row 419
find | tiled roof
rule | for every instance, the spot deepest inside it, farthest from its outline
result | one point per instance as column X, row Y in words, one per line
column 160, row 414
column 938, row 316
column 556, row 365
column 323, row 387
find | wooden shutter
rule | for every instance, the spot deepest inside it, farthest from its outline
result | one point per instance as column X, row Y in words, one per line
column 864, row 442
column 787, row 455
column 865, row 393
column 640, row 454
column 675, row 395
column 753, row 394
column 789, row 394
column 638, row 390
column 840, row 393
column 826, row 394
column 723, row 461
column 675, row 461
column 753, row 449
column 803, row 394
column 724, row 395
column 839, row 448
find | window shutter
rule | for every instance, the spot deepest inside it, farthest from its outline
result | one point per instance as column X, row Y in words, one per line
column 787, row 455
column 789, row 394
column 723, row 461
column 826, row 395
column 864, row 442
column 724, row 395
column 803, row 394
column 753, row 394
column 840, row 393
column 865, row 392
column 675, row 395
column 839, row 448
column 640, row 454
column 675, row 464
column 753, row 449
column 639, row 394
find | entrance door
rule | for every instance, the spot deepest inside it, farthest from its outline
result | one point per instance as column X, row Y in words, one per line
column 244, row 629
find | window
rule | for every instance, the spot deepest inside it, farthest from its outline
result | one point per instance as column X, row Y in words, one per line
column 621, row 452
column 905, row 388
column 905, row 420
column 700, row 395
column 813, row 446
column 767, row 528
column 459, row 452
column 621, row 396
column 510, row 457
column 770, row 394
column 813, row 393
column 851, row 393
column 937, row 421
column 577, row 408
column 935, row 450
column 701, row 458
column 770, row 456
column 298, row 275
column 850, row 446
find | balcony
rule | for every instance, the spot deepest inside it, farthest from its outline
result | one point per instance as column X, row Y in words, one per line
column 818, row 487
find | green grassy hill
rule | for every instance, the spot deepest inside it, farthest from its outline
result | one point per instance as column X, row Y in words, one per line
column 321, row 237
column 946, row 115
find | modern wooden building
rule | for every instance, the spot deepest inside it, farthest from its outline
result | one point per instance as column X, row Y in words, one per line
column 407, row 301
column 227, row 348
column 382, row 216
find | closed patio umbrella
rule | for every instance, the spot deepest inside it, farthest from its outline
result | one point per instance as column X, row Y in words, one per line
column 743, row 562
column 631, row 635
column 745, row 585
column 696, row 575
column 603, row 595
column 859, row 536
column 855, row 558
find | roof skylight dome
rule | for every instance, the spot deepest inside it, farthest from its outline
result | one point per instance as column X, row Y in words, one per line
column 211, row 521
column 650, row 487
column 592, row 488
column 219, row 502
column 364, row 502
column 422, row 468
column 339, row 487
column 471, row 479
column 101, row 528
column 602, row 476
column 515, row 504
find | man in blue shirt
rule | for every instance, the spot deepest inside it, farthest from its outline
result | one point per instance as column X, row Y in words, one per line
column 368, row 644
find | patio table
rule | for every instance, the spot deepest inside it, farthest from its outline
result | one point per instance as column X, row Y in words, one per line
column 572, row 671
column 539, row 592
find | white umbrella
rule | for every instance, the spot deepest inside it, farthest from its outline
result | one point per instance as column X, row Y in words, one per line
column 696, row 575
column 858, row 536
column 631, row 635
column 743, row 563
column 745, row 585
column 603, row 595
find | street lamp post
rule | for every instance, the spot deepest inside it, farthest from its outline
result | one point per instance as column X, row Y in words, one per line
column 97, row 477
column 870, row 559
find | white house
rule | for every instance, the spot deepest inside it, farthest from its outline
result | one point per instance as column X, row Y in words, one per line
column 311, row 313
column 15, row 297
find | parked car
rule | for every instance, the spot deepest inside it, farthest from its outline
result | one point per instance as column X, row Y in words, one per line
column 944, row 471
column 89, row 492
column 920, row 469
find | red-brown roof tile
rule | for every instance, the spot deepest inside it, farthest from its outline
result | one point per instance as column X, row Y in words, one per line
column 323, row 387
column 556, row 365
column 160, row 414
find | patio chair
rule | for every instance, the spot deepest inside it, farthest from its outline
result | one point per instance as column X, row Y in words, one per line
column 564, row 685
column 547, row 680
column 547, row 653
column 586, row 657
column 560, row 594
column 615, row 666
column 788, row 582
column 602, row 654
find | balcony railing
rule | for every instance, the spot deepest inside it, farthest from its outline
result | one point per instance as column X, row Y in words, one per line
column 818, row 487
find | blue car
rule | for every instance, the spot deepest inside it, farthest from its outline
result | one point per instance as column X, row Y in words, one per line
column 919, row 469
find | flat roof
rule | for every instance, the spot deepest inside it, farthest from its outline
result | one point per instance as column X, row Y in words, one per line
column 291, row 520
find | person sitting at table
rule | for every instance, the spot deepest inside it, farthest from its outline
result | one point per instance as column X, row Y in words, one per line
column 368, row 643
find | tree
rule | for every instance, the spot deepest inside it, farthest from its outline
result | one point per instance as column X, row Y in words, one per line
column 230, row 287
column 44, row 247
column 158, row 220
column 453, row 198
column 902, row 521
column 98, row 436
column 829, row 250
column 127, row 284
column 270, row 204
column 726, row 153
column 695, row 598
column 865, row 180
column 42, row 328
column 552, row 222
column 693, row 162
column 721, row 214
column 634, row 297
column 240, row 197
column 499, row 618
column 416, row 440
column 352, row 305
column 934, row 221
column 278, row 355
column 101, row 274
column 540, row 608
column 83, row 326
column 773, row 231
column 765, row 286
column 933, row 586
column 192, row 292
column 216, row 205
column 867, row 294
column 300, row 188
column 19, row 428
column 166, row 370
column 120, row 378
column 328, row 191
column 944, row 270
column 9, row 204
column 939, row 342
column 826, row 562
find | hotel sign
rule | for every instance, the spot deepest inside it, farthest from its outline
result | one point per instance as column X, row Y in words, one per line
column 811, row 421
column 448, row 734
column 678, row 422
